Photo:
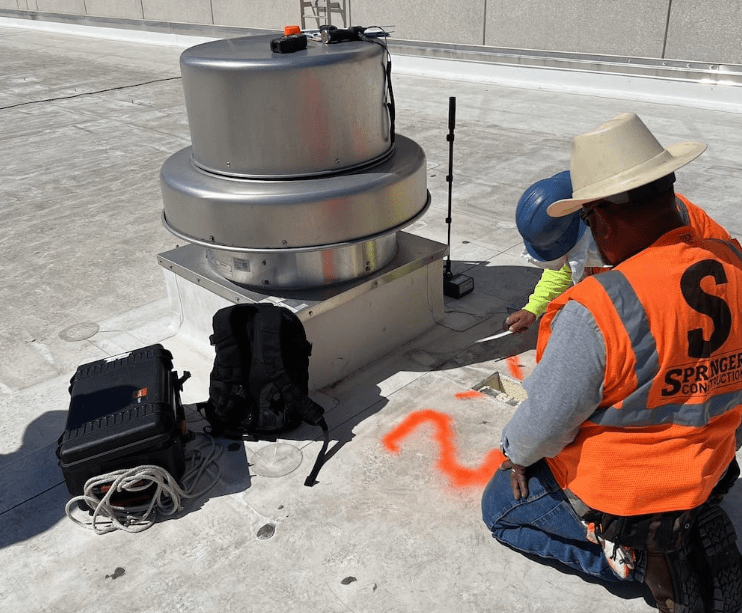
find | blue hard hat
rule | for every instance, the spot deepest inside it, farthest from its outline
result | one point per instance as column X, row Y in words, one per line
column 548, row 238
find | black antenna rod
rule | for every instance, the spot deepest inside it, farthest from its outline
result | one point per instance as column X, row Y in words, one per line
column 449, row 176
column 454, row 286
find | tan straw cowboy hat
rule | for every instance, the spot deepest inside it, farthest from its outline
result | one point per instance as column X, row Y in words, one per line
column 620, row 155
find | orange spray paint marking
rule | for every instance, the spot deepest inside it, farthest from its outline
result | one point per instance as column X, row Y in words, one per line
column 515, row 368
column 460, row 476
column 470, row 395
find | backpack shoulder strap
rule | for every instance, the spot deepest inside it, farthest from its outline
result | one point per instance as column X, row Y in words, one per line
column 227, row 395
column 268, row 364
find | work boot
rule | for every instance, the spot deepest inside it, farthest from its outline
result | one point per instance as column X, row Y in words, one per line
column 728, row 479
column 674, row 581
column 622, row 560
column 721, row 563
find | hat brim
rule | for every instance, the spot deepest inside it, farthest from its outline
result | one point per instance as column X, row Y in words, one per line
column 672, row 158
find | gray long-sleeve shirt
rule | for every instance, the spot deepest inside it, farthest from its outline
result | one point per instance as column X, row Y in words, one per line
column 564, row 389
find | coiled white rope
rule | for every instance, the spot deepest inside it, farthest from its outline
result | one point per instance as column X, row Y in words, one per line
column 167, row 498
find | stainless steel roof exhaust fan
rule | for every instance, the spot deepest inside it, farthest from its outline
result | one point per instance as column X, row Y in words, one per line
column 295, row 177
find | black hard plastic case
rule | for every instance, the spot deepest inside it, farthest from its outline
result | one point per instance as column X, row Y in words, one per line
column 125, row 411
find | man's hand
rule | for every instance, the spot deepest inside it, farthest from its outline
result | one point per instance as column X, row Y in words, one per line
column 519, row 321
column 518, row 479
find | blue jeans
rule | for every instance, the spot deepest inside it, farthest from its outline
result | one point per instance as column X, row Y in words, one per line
column 544, row 524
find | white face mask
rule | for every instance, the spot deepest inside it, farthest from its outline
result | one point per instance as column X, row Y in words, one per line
column 583, row 255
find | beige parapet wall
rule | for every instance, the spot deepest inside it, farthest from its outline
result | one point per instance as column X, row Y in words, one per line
column 692, row 30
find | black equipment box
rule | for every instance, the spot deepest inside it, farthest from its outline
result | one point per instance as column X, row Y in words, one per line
column 125, row 411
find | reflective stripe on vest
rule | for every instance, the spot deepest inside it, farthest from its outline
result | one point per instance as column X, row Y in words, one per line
column 634, row 411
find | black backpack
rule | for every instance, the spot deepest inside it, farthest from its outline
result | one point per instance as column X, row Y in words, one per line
column 259, row 383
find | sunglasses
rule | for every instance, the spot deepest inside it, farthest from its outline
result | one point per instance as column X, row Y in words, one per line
column 633, row 195
column 585, row 213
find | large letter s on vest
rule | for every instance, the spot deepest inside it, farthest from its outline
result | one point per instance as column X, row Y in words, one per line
column 713, row 306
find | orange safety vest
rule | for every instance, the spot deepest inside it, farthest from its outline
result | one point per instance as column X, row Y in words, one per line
column 664, row 431
column 693, row 216
column 699, row 220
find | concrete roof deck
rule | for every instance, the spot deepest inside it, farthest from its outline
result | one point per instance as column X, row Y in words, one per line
column 85, row 125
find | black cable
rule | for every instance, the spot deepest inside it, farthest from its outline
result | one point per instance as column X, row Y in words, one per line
column 387, row 75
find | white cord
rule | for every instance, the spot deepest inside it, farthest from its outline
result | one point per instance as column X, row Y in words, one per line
column 167, row 498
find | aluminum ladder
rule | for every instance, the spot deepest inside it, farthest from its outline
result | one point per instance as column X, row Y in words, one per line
column 322, row 11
